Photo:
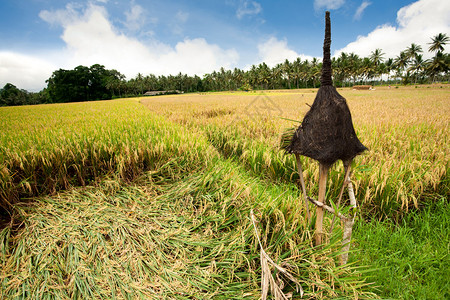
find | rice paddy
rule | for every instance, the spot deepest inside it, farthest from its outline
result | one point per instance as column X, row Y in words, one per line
column 150, row 197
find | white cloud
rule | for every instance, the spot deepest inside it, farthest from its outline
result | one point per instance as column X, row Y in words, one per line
column 90, row 38
column 416, row 23
column 274, row 51
column 24, row 71
column 248, row 8
column 135, row 17
column 359, row 12
column 61, row 17
column 196, row 56
column 328, row 4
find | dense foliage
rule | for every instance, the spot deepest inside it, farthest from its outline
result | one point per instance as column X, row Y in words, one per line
column 10, row 95
column 81, row 84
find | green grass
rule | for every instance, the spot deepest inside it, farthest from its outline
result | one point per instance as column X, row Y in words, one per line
column 411, row 260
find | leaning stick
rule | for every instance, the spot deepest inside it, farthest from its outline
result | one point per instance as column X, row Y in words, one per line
column 347, row 168
column 302, row 182
column 328, row 209
column 348, row 227
column 323, row 172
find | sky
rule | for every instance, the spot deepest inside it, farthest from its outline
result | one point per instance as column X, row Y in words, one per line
column 165, row 37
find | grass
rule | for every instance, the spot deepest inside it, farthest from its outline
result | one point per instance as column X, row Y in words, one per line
column 411, row 259
column 115, row 199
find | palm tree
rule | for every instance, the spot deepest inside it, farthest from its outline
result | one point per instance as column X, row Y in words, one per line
column 367, row 69
column 342, row 68
column 377, row 56
column 297, row 66
column 401, row 62
column 438, row 64
column 238, row 78
column 140, row 82
column 389, row 67
column 314, row 71
column 264, row 75
column 304, row 72
column 413, row 51
column 438, row 42
column 377, row 59
column 277, row 76
column 287, row 71
column 355, row 66
column 417, row 66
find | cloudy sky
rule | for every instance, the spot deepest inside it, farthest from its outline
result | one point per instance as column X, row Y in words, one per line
column 165, row 37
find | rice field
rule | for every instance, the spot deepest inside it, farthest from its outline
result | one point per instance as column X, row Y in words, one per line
column 151, row 197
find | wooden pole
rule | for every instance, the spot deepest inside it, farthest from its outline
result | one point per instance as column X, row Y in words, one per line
column 348, row 226
column 347, row 169
column 323, row 173
column 302, row 182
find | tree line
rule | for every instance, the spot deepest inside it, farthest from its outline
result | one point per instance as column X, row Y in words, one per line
column 97, row 83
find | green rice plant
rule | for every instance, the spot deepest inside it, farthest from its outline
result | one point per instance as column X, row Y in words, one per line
column 80, row 143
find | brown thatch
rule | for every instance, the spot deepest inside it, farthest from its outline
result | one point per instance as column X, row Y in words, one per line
column 326, row 133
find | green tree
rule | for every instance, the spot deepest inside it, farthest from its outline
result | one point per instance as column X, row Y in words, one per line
column 438, row 43
column 11, row 95
column 417, row 66
column 82, row 84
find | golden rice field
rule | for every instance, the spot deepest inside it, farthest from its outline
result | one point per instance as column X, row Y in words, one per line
column 150, row 198
column 406, row 130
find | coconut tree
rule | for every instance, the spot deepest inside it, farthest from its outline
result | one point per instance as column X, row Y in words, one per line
column 417, row 66
column 355, row 66
column 238, row 77
column 412, row 51
column 343, row 68
column 139, row 83
column 401, row 63
column 297, row 70
column 287, row 71
column 376, row 57
column 389, row 67
column 314, row 70
column 438, row 64
column 438, row 43
column 264, row 75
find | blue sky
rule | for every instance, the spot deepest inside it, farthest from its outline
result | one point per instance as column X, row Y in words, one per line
column 199, row 36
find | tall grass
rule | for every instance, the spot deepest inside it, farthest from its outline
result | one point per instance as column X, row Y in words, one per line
column 410, row 259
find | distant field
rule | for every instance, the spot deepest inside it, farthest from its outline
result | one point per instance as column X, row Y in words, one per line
column 150, row 197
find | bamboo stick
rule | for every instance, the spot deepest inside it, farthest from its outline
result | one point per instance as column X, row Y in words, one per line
column 347, row 169
column 302, row 182
column 348, row 227
column 323, row 172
